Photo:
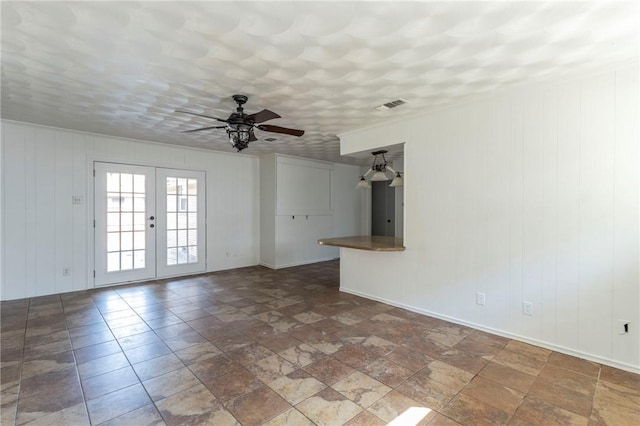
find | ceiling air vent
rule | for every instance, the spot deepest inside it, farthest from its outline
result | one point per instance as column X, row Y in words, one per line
column 391, row 104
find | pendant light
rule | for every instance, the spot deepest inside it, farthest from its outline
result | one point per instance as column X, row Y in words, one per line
column 379, row 169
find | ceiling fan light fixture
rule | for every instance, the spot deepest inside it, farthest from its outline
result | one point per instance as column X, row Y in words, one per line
column 240, row 126
column 239, row 135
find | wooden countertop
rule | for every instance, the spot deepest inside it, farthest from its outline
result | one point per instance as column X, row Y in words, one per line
column 365, row 242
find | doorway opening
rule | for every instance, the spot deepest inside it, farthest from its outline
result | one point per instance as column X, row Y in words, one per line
column 383, row 209
column 149, row 222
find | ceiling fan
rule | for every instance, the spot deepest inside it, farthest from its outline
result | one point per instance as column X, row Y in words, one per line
column 240, row 125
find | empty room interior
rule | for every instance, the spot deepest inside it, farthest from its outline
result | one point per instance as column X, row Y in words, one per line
column 320, row 213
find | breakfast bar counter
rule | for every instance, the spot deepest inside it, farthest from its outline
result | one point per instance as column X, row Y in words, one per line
column 365, row 242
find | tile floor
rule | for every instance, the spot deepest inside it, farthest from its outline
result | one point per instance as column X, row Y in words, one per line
column 255, row 346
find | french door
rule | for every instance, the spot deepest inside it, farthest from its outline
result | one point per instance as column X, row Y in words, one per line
column 149, row 222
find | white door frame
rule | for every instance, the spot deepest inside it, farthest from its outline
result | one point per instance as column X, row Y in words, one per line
column 163, row 267
column 90, row 174
column 141, row 224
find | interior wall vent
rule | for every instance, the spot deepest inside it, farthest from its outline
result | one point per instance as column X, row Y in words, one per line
column 391, row 104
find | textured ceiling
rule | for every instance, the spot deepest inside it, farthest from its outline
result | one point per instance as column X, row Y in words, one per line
column 123, row 68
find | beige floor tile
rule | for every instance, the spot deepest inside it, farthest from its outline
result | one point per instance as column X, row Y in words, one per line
column 569, row 362
column 301, row 355
column 494, row 394
column 271, row 368
column 450, row 376
column 102, row 365
column 170, row 383
column 562, row 397
column 387, row 372
column 409, row 359
column 570, row 379
column 534, row 411
column 257, row 406
column 196, row 353
column 609, row 393
column 235, row 383
column 507, row 376
column 144, row 416
column 117, row 403
column 361, row 389
column 296, row 386
column 291, row 417
column 606, row 413
column 468, row 410
column 428, row 392
column 194, row 406
column 328, row 408
column 365, row 418
column 74, row 415
column 397, row 407
column 97, row 386
column 329, row 370
column 157, row 366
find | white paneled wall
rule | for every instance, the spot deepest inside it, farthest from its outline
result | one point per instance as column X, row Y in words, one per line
column 529, row 196
column 43, row 232
column 303, row 201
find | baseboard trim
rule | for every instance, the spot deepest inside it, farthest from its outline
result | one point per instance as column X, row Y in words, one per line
column 290, row 265
column 567, row 351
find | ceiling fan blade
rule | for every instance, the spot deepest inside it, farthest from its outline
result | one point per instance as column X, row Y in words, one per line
column 252, row 136
column 204, row 128
column 202, row 115
column 262, row 116
column 278, row 129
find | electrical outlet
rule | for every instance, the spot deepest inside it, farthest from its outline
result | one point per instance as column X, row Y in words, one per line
column 66, row 271
column 527, row 308
column 77, row 199
column 623, row 326
column 480, row 299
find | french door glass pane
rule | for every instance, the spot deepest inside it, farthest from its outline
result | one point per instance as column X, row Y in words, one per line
column 172, row 220
column 126, row 183
column 121, row 221
column 172, row 201
column 138, row 259
column 126, row 260
column 138, row 184
column 182, row 202
column 172, row 256
column 138, row 222
column 113, row 261
column 192, row 187
column 126, row 222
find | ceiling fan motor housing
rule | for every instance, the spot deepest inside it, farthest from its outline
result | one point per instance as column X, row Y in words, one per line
column 240, row 99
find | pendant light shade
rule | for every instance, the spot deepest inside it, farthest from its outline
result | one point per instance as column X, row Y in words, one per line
column 363, row 184
column 397, row 180
column 379, row 176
